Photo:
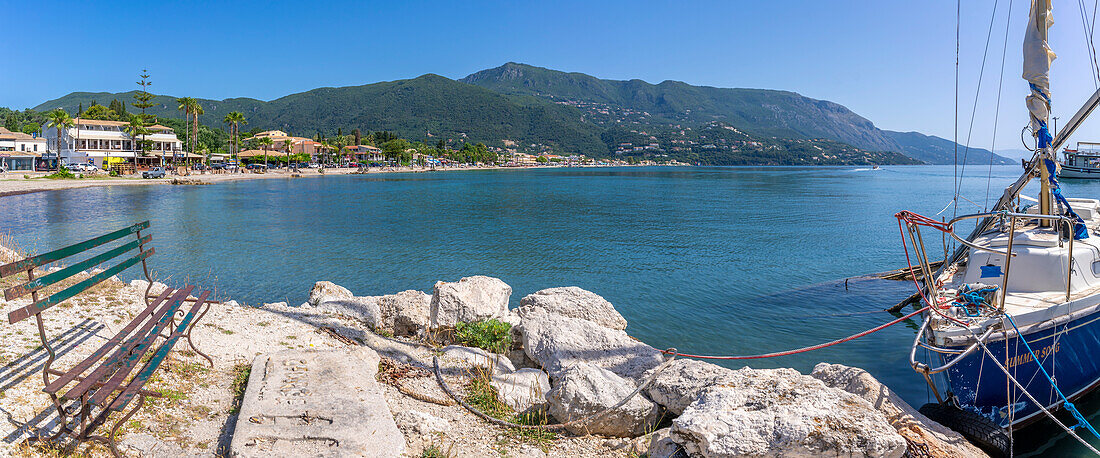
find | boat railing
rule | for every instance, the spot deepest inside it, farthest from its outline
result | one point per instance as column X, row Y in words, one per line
column 1008, row 254
column 925, row 369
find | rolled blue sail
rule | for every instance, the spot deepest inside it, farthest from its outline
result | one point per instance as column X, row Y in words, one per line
column 1080, row 232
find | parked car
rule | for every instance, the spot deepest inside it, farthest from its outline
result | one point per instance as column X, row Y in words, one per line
column 217, row 166
column 155, row 172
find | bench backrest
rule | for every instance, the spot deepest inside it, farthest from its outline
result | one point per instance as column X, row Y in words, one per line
column 34, row 284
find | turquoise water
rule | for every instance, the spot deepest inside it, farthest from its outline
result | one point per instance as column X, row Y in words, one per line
column 707, row 260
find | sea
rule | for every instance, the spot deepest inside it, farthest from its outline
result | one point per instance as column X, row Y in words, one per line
column 708, row 260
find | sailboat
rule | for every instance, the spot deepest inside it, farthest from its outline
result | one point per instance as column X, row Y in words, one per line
column 1011, row 327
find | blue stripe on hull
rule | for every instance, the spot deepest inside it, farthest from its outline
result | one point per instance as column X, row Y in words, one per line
column 1068, row 357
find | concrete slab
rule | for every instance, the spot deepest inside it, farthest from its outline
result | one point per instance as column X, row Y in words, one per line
column 323, row 403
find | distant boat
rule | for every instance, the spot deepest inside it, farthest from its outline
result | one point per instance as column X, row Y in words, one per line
column 875, row 167
column 1083, row 162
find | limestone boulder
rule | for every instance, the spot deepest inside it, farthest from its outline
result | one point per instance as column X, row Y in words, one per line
column 465, row 358
column 574, row 302
column 585, row 389
column 140, row 285
column 469, row 299
column 523, row 390
column 364, row 309
column 680, row 383
column 406, row 313
column 555, row 342
column 936, row 439
column 327, row 291
column 780, row 412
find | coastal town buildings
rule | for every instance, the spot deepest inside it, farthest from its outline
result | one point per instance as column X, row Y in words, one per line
column 20, row 151
column 93, row 141
column 364, row 153
column 298, row 145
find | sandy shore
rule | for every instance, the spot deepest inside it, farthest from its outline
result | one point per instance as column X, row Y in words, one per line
column 14, row 183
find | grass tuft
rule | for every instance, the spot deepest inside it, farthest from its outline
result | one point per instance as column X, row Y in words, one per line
column 492, row 335
column 240, row 382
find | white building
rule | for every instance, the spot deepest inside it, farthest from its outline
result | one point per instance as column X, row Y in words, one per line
column 19, row 151
column 92, row 141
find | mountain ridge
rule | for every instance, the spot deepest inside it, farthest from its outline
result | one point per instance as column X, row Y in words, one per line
column 547, row 109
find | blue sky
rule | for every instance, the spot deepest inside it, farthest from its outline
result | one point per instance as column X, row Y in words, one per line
column 892, row 62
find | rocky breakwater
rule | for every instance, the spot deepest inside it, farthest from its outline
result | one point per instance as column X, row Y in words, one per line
column 571, row 357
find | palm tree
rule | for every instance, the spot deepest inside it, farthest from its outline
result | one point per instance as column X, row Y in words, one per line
column 289, row 146
column 185, row 105
column 136, row 129
column 59, row 119
column 196, row 110
column 264, row 142
column 235, row 119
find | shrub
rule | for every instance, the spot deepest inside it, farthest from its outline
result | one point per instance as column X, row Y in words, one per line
column 492, row 335
column 62, row 173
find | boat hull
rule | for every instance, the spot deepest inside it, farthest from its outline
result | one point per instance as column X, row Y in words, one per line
column 1065, row 351
column 1072, row 171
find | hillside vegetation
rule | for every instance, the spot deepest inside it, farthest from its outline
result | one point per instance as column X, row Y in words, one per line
column 534, row 109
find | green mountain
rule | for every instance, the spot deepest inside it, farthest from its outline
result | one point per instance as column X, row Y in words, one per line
column 759, row 112
column 418, row 108
column 536, row 109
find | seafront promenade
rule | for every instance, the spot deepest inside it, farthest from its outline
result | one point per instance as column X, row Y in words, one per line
column 14, row 183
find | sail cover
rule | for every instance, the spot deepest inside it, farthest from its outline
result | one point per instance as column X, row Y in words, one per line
column 1037, row 59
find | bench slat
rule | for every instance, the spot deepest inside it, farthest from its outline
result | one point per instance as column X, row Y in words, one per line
column 113, row 342
column 147, row 334
column 146, row 372
column 62, row 253
column 51, row 278
column 37, row 307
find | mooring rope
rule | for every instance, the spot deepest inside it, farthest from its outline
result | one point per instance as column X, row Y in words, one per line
column 803, row 349
column 1081, row 421
column 558, row 426
column 1029, row 396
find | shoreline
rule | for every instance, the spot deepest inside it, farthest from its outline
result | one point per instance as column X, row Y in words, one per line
column 12, row 186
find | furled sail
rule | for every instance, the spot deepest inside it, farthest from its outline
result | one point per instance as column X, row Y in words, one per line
column 1037, row 59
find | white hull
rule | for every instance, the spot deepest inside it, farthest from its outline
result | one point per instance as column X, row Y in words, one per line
column 1070, row 171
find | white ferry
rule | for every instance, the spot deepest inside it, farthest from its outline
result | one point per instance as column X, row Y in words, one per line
column 1083, row 162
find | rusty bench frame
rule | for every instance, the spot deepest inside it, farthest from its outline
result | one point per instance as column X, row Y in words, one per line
column 90, row 399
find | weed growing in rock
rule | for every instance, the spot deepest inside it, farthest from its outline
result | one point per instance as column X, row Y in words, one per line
column 492, row 335
column 240, row 381
column 481, row 394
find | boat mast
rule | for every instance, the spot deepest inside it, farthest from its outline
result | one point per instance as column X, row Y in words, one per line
column 1037, row 59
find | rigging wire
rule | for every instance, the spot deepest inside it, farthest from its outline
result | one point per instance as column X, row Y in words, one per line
column 974, row 109
column 997, row 109
column 955, row 140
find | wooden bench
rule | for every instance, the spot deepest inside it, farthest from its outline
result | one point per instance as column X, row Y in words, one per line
column 102, row 384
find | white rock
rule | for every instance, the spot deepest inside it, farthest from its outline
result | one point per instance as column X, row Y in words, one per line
column 364, row 309
column 327, row 291
column 780, row 412
column 140, row 285
column 555, row 341
column 658, row 444
column 8, row 255
column 679, row 384
column 421, row 422
column 937, row 439
column 523, row 390
column 231, row 303
column 574, row 302
column 276, row 305
column 469, row 299
column 586, row 389
column 406, row 313
column 467, row 357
